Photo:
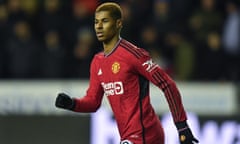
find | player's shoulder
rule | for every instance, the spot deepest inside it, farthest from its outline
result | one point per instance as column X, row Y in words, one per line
column 99, row 55
column 133, row 49
column 97, row 58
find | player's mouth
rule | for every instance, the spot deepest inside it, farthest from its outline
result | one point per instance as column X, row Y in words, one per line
column 99, row 34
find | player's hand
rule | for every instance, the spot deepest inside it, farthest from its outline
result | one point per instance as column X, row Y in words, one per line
column 185, row 133
column 64, row 101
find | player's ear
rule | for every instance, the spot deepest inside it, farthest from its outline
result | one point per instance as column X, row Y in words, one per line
column 119, row 23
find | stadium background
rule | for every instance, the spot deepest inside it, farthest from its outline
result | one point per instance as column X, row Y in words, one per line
column 46, row 47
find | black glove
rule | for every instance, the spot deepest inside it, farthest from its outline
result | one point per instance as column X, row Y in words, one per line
column 64, row 101
column 185, row 133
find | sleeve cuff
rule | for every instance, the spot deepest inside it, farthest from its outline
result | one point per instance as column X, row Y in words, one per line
column 181, row 125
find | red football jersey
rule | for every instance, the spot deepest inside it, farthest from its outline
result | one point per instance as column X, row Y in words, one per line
column 123, row 77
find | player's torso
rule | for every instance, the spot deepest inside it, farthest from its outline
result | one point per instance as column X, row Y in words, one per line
column 117, row 77
column 122, row 85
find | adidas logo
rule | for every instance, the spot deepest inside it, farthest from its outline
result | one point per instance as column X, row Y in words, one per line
column 99, row 72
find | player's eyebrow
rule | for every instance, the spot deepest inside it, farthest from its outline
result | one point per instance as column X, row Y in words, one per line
column 102, row 19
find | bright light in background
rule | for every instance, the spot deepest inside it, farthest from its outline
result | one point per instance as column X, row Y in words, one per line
column 104, row 129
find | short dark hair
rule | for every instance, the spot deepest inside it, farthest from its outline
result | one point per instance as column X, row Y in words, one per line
column 114, row 9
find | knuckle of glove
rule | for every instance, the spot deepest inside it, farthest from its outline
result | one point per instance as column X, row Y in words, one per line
column 63, row 101
column 185, row 136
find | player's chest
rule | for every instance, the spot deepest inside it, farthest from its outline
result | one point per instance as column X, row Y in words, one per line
column 110, row 70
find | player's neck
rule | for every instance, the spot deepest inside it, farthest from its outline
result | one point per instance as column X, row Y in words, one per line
column 110, row 45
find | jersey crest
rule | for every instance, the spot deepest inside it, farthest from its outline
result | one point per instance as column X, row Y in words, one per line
column 115, row 67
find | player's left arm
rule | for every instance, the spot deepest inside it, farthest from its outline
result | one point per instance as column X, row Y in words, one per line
column 154, row 73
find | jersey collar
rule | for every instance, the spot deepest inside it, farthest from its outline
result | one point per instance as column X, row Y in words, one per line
column 115, row 47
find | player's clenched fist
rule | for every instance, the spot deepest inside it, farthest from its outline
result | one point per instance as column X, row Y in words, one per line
column 64, row 101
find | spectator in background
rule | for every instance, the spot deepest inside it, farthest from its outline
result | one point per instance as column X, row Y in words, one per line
column 52, row 59
column 184, row 59
column 231, row 41
column 149, row 40
column 149, row 37
column 15, row 12
column 31, row 9
column 22, row 52
column 162, row 18
column 182, row 54
column 163, row 22
column 51, row 17
column 142, row 9
column 86, row 5
column 82, row 54
column 80, row 17
column 79, row 39
column 130, row 29
column 181, row 10
column 142, row 12
column 3, row 34
column 205, row 19
column 210, row 63
column 51, row 25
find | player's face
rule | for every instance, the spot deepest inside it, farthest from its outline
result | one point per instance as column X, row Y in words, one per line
column 105, row 26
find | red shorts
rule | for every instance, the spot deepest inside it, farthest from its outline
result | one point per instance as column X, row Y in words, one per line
column 153, row 135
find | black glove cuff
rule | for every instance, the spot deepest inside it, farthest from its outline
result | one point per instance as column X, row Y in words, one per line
column 181, row 126
column 72, row 107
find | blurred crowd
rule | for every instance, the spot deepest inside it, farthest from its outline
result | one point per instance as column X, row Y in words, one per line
column 193, row 40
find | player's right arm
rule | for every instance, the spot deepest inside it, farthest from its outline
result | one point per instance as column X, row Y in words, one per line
column 91, row 101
